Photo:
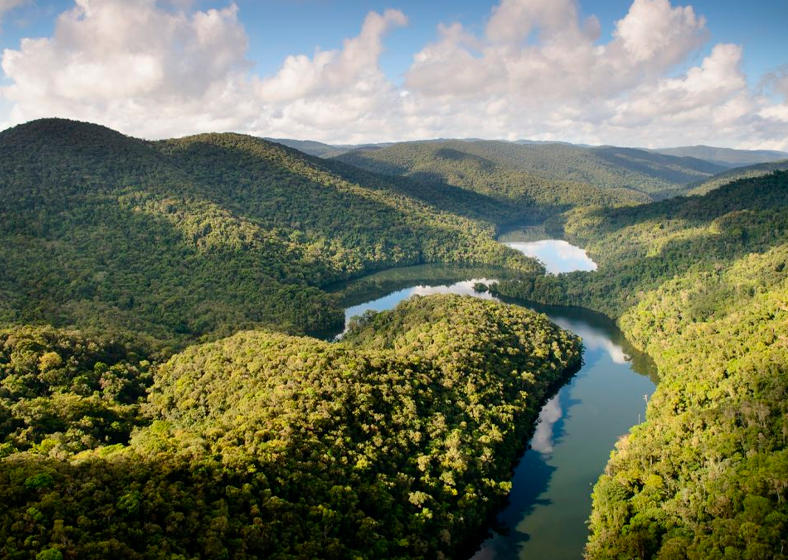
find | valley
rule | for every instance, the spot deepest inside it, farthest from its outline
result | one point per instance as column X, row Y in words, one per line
column 218, row 336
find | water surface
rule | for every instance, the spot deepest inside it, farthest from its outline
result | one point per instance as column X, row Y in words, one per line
column 551, row 493
column 556, row 254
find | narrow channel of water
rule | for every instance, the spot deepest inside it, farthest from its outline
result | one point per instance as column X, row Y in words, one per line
column 551, row 493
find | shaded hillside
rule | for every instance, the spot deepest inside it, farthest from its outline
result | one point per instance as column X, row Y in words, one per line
column 457, row 164
column 396, row 443
column 639, row 248
column 724, row 156
column 197, row 236
column 737, row 173
column 701, row 284
column 539, row 173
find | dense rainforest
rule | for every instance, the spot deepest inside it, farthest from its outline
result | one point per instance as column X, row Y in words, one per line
column 131, row 427
column 201, row 236
column 158, row 397
column 552, row 176
column 395, row 443
column 701, row 284
column 750, row 171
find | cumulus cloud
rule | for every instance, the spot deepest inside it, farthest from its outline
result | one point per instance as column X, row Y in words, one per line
column 135, row 66
column 313, row 97
column 538, row 70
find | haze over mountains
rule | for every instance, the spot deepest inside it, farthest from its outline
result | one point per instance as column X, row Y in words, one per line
column 683, row 168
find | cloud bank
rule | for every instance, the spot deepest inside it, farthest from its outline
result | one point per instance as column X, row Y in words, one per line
column 537, row 71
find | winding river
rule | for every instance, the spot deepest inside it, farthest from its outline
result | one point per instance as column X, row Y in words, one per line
column 550, row 498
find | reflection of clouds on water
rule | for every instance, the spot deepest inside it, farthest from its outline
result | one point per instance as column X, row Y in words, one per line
column 594, row 339
column 543, row 436
column 390, row 301
column 461, row 288
column 557, row 255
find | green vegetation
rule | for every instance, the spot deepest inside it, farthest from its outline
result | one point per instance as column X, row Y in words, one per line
column 701, row 284
column 748, row 172
column 707, row 475
column 199, row 237
column 397, row 442
column 639, row 248
column 549, row 178
column 727, row 157
column 62, row 392
column 116, row 253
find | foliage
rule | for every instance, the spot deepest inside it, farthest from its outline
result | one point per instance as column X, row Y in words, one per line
column 546, row 178
column 701, row 284
column 397, row 442
column 199, row 237
column 751, row 171
column 639, row 248
column 707, row 475
column 62, row 392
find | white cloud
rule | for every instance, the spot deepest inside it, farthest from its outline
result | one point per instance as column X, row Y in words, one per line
column 653, row 29
column 539, row 70
column 134, row 66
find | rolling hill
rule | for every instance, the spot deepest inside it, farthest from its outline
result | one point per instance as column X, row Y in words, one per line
column 561, row 174
column 735, row 174
column 727, row 157
column 199, row 236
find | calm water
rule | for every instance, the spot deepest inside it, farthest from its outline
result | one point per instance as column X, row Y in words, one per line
column 557, row 255
column 551, row 493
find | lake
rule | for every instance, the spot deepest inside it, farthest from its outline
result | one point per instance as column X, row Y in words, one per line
column 577, row 428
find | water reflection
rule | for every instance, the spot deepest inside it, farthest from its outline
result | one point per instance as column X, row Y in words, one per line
column 542, row 440
column 594, row 340
column 556, row 254
column 389, row 301
column 550, row 497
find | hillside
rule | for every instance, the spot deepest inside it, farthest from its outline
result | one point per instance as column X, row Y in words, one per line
column 313, row 148
column 701, row 284
column 727, row 157
column 747, row 172
column 455, row 164
column 396, row 443
column 559, row 174
column 200, row 236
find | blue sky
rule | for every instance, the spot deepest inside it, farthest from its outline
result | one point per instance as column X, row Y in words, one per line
column 276, row 29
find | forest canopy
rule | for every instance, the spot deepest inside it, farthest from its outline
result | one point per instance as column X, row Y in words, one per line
column 396, row 442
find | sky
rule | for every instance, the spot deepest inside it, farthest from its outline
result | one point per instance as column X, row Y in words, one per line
column 650, row 73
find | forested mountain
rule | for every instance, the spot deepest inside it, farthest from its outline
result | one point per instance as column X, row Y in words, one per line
column 141, row 417
column 738, row 173
column 558, row 174
column 701, row 284
column 313, row 148
column 200, row 236
column 727, row 157
column 395, row 443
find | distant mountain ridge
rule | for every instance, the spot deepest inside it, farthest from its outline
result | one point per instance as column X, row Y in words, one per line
column 725, row 156
column 509, row 168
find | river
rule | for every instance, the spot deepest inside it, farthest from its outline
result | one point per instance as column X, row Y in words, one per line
column 550, row 499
